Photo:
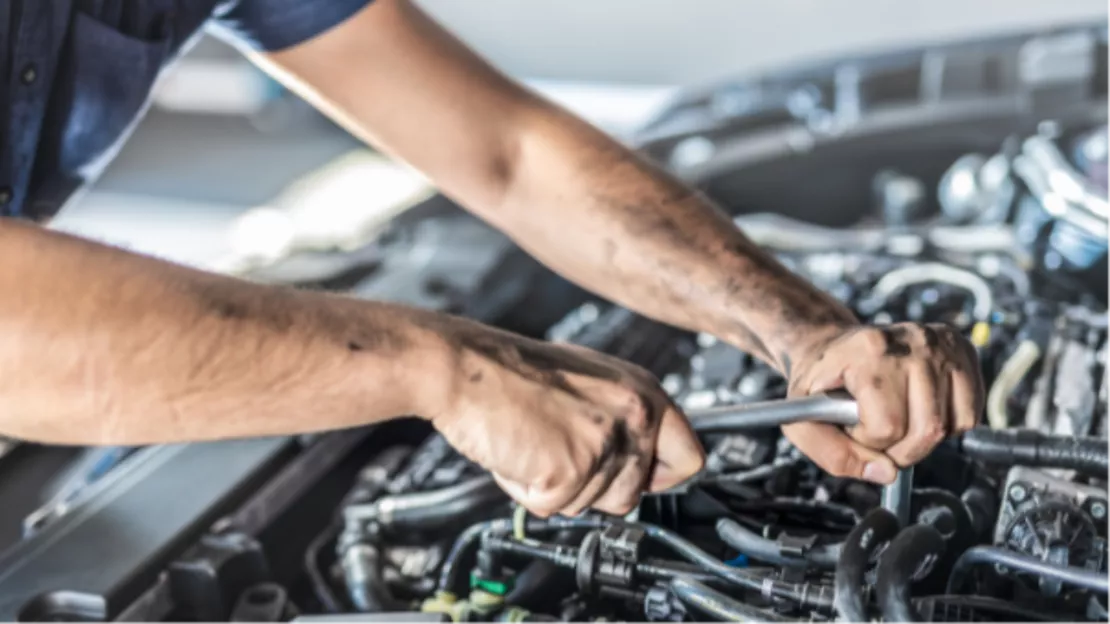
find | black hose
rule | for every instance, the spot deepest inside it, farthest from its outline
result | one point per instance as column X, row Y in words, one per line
column 450, row 570
column 762, row 549
column 1079, row 577
column 430, row 511
column 316, row 578
column 806, row 594
column 909, row 557
column 813, row 595
column 1025, row 447
column 876, row 528
column 362, row 569
column 710, row 602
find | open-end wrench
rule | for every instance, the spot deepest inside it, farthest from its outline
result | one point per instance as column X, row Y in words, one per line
column 835, row 408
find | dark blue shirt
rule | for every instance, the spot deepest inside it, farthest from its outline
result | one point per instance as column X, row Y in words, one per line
column 76, row 76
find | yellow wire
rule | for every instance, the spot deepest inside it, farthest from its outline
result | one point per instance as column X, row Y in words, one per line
column 520, row 516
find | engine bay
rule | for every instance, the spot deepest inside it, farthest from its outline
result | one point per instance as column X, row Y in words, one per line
column 1007, row 523
column 1001, row 234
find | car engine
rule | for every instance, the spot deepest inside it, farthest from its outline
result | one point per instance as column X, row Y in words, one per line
column 992, row 222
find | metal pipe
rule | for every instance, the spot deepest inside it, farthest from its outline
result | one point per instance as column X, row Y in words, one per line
column 716, row 605
column 1079, row 577
column 896, row 496
column 837, row 408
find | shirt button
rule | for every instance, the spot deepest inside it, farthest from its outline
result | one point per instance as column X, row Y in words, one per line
column 29, row 74
column 5, row 195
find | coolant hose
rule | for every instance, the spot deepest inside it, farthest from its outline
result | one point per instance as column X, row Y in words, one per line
column 717, row 606
column 1079, row 577
column 909, row 557
column 430, row 511
column 876, row 528
column 898, row 280
column 762, row 549
column 362, row 569
column 1025, row 447
column 1013, row 371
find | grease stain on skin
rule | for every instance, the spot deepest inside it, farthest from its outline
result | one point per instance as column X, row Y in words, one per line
column 897, row 343
column 932, row 337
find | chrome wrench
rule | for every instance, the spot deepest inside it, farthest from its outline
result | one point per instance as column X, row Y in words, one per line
column 834, row 408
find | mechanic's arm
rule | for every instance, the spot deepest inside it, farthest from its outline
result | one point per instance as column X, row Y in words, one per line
column 102, row 346
column 615, row 224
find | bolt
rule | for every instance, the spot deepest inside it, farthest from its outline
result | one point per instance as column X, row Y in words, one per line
column 1018, row 492
column 1098, row 510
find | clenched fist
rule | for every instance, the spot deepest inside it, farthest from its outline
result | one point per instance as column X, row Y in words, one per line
column 915, row 385
column 561, row 428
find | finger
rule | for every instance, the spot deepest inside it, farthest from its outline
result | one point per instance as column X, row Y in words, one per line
column 597, row 485
column 678, row 453
column 542, row 502
column 881, row 397
column 623, row 494
column 928, row 417
column 839, row 455
column 965, row 403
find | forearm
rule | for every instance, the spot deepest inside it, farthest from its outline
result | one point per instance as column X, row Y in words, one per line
column 631, row 232
column 564, row 191
column 103, row 346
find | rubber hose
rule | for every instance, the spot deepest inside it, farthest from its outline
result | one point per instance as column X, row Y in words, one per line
column 876, row 528
column 539, row 585
column 898, row 280
column 716, row 605
column 907, row 558
column 806, row 594
column 954, row 524
column 430, row 511
column 450, row 570
column 1025, row 447
column 1079, row 577
column 1013, row 371
column 762, row 549
column 362, row 569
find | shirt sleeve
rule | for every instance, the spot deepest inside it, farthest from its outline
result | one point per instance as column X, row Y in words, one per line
column 271, row 25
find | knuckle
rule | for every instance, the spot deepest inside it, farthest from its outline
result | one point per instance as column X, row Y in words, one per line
column 934, row 431
column 637, row 416
column 549, row 480
column 873, row 340
column 886, row 430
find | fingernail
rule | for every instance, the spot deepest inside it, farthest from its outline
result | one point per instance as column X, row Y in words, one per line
column 879, row 472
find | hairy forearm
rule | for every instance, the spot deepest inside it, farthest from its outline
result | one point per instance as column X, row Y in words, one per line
column 631, row 232
column 103, row 346
column 564, row 191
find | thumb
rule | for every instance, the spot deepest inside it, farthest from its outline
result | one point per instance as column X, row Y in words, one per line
column 839, row 455
column 678, row 454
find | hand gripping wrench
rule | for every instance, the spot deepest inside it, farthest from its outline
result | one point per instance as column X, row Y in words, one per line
column 835, row 408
